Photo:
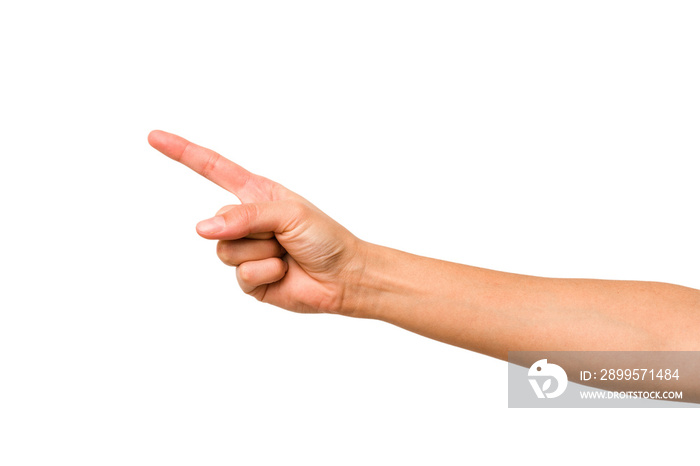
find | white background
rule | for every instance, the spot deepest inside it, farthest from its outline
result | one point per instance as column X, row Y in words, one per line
column 548, row 138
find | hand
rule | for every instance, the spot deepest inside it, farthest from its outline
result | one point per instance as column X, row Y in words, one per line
column 288, row 253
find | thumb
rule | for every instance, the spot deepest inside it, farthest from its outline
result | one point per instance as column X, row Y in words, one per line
column 246, row 219
column 265, row 235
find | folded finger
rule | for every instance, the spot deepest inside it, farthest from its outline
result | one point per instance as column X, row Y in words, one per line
column 253, row 274
column 235, row 252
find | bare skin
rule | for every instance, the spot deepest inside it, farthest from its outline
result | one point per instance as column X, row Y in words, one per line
column 290, row 254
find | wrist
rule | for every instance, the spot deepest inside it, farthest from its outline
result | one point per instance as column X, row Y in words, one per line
column 375, row 281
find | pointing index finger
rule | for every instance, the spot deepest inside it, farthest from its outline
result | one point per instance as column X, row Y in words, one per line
column 206, row 162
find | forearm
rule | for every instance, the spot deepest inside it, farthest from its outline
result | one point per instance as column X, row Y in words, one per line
column 495, row 312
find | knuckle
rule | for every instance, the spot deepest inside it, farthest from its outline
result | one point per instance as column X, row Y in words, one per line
column 223, row 251
column 248, row 214
column 296, row 210
column 297, row 207
column 239, row 218
column 244, row 274
column 185, row 149
column 210, row 165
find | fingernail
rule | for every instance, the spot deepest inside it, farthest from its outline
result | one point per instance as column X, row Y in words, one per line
column 211, row 226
